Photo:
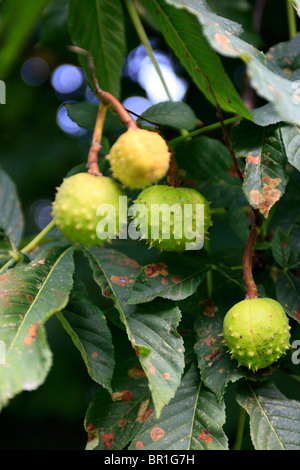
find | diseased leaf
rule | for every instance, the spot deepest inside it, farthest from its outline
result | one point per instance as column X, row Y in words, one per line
column 29, row 295
column 112, row 420
column 265, row 173
column 151, row 328
column 87, row 327
column 193, row 420
column 274, row 419
column 169, row 280
column 216, row 366
column 11, row 217
column 184, row 36
column 98, row 27
column 223, row 36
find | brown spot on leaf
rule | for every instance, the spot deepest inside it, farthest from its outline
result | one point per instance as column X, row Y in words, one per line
column 152, row 370
column 156, row 434
column 122, row 422
column 175, row 279
column 224, row 42
column 29, row 298
column 269, row 196
column 126, row 395
column 209, row 308
column 209, row 341
column 122, row 281
column 297, row 315
column 143, row 413
column 131, row 263
column 166, row 376
column 155, row 269
column 139, row 445
column 252, row 159
column 108, row 439
column 94, row 355
column 136, row 373
column 32, row 331
column 164, row 281
column 205, row 436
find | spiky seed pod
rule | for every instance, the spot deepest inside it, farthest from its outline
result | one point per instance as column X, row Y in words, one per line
column 76, row 203
column 171, row 219
column 257, row 332
column 139, row 158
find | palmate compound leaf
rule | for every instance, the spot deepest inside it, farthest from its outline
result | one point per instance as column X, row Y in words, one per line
column 274, row 419
column 87, row 327
column 151, row 328
column 223, row 36
column 29, row 295
column 192, row 420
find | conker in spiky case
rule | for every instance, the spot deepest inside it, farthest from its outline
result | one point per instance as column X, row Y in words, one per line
column 76, row 203
column 139, row 158
column 256, row 332
column 170, row 230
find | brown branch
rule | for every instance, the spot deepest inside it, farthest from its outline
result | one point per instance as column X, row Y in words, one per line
column 247, row 265
column 172, row 175
column 92, row 164
column 105, row 96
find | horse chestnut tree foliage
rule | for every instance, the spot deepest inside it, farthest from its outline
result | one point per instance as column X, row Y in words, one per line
column 146, row 312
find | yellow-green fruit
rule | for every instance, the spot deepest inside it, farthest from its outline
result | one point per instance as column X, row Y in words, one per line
column 139, row 158
column 256, row 332
column 174, row 219
column 76, row 204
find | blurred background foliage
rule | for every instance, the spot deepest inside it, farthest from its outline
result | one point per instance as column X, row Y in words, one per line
column 39, row 145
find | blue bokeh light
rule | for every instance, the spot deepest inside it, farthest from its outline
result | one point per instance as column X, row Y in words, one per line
column 35, row 71
column 66, row 124
column 67, row 78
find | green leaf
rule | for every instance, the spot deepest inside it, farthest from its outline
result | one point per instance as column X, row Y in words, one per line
column 175, row 114
column 274, row 419
column 283, row 58
column 17, row 21
column 265, row 174
column 98, row 27
column 169, row 279
column 151, row 328
column 223, row 36
column 184, row 36
column 291, row 140
column 87, row 327
column 30, row 294
column 281, row 248
column 11, row 217
column 288, row 293
column 112, row 420
column 193, row 420
column 215, row 364
column 83, row 113
column 206, row 161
